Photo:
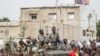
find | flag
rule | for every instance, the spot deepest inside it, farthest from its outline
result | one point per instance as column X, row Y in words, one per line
column 85, row 2
column 73, row 53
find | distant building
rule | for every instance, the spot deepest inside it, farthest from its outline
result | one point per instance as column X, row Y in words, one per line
column 9, row 29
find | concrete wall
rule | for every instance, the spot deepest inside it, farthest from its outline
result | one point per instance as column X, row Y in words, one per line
column 13, row 30
column 66, row 29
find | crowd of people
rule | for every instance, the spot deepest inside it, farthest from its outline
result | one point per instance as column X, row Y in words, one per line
column 44, row 43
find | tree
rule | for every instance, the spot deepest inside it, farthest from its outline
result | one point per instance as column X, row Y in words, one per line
column 98, row 29
column 22, row 34
column 4, row 19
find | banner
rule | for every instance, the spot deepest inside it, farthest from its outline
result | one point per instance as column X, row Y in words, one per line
column 85, row 2
column 78, row 2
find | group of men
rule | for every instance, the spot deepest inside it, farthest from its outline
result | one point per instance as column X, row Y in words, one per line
column 85, row 49
column 53, row 38
column 31, row 46
column 44, row 43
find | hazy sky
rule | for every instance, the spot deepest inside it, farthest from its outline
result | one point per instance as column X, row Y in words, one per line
column 11, row 8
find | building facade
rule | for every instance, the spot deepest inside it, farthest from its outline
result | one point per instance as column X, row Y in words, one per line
column 71, row 21
column 88, row 23
column 9, row 29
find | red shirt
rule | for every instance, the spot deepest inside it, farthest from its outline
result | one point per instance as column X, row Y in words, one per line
column 73, row 53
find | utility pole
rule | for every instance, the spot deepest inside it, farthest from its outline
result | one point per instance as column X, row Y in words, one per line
column 89, row 18
column 56, row 9
column 7, row 31
column 56, row 14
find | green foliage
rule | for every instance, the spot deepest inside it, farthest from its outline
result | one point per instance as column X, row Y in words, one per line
column 22, row 34
column 98, row 28
column 4, row 19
